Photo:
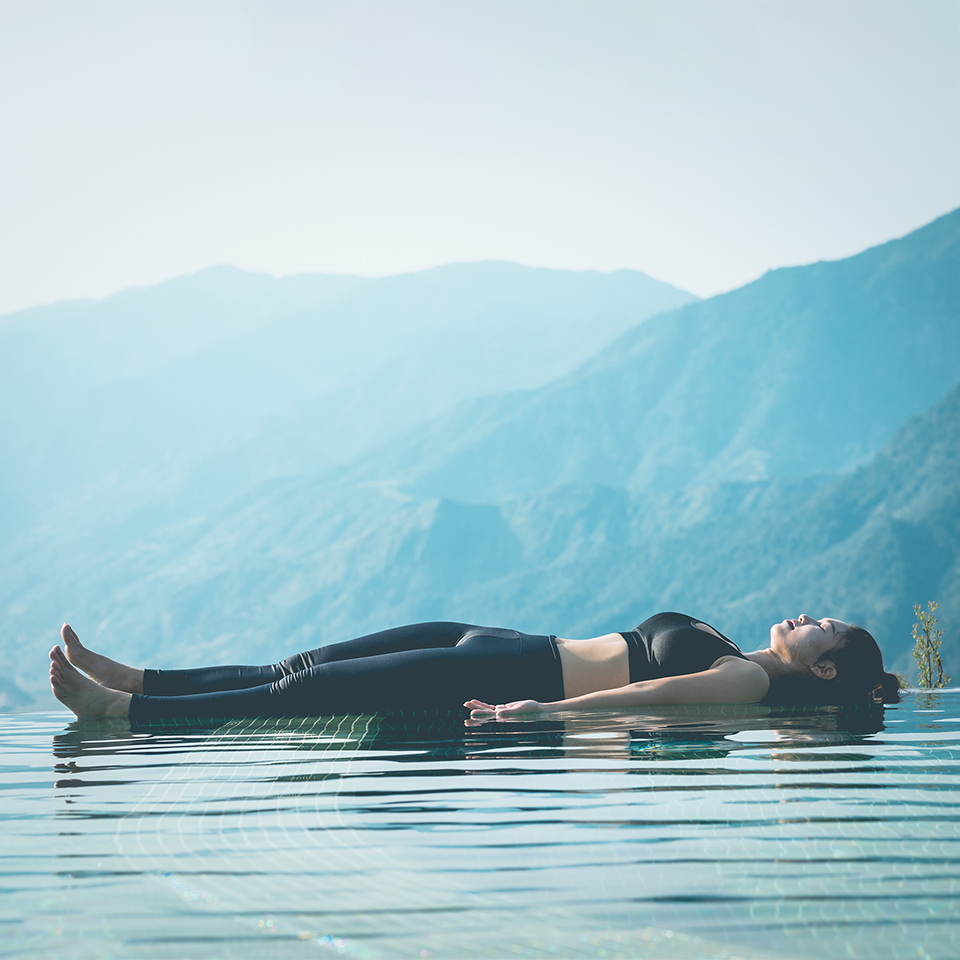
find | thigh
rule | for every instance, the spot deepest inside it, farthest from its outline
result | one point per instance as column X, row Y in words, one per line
column 442, row 677
column 414, row 636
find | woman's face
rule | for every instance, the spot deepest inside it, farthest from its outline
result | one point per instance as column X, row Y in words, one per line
column 805, row 640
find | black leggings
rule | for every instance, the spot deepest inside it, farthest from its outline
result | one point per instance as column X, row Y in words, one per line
column 425, row 666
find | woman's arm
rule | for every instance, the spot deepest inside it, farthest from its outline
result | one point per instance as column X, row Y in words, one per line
column 730, row 681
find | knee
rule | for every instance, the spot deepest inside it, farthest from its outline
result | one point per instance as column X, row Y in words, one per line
column 299, row 684
column 289, row 665
column 300, row 662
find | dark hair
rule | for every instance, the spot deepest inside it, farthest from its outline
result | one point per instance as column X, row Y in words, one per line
column 860, row 676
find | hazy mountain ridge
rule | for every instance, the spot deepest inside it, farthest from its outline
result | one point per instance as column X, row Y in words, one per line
column 806, row 365
column 53, row 353
column 276, row 376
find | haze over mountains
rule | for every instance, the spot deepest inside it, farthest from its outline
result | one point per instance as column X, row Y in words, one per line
column 232, row 467
column 224, row 378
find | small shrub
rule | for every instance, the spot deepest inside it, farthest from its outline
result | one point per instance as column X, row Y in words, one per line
column 927, row 648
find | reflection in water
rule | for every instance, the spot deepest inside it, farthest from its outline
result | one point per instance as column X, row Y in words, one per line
column 708, row 831
column 680, row 732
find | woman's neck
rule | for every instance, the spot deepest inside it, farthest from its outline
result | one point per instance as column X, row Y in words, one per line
column 771, row 662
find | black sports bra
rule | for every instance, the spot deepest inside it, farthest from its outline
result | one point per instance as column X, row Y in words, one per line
column 669, row 645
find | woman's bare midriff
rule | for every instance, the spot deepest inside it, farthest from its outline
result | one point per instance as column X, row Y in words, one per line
column 601, row 663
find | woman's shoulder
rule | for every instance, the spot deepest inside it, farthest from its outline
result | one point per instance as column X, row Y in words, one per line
column 747, row 673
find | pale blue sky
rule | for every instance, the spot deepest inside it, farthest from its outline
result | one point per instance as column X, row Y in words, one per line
column 700, row 142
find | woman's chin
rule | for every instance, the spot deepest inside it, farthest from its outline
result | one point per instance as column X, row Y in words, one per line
column 778, row 633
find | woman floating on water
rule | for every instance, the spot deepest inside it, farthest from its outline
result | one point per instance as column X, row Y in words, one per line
column 668, row 659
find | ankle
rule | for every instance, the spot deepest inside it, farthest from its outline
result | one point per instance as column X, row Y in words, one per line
column 120, row 706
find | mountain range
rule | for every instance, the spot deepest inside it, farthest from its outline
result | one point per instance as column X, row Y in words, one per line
column 232, row 467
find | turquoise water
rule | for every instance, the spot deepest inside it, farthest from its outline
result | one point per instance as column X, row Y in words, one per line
column 695, row 832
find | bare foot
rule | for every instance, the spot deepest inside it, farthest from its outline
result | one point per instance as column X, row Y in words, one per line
column 107, row 672
column 85, row 697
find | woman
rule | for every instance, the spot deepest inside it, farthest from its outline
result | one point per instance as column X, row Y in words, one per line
column 670, row 658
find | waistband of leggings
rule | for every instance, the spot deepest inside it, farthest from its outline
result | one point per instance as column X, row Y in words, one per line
column 539, row 653
column 544, row 645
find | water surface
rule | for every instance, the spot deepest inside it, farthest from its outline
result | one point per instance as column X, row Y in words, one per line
column 692, row 832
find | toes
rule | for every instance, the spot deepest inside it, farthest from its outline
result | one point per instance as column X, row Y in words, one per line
column 69, row 634
column 59, row 657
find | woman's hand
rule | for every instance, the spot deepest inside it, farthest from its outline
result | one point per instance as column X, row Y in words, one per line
column 503, row 711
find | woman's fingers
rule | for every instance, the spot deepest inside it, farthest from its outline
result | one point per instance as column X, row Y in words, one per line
column 478, row 706
column 480, row 710
column 518, row 706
